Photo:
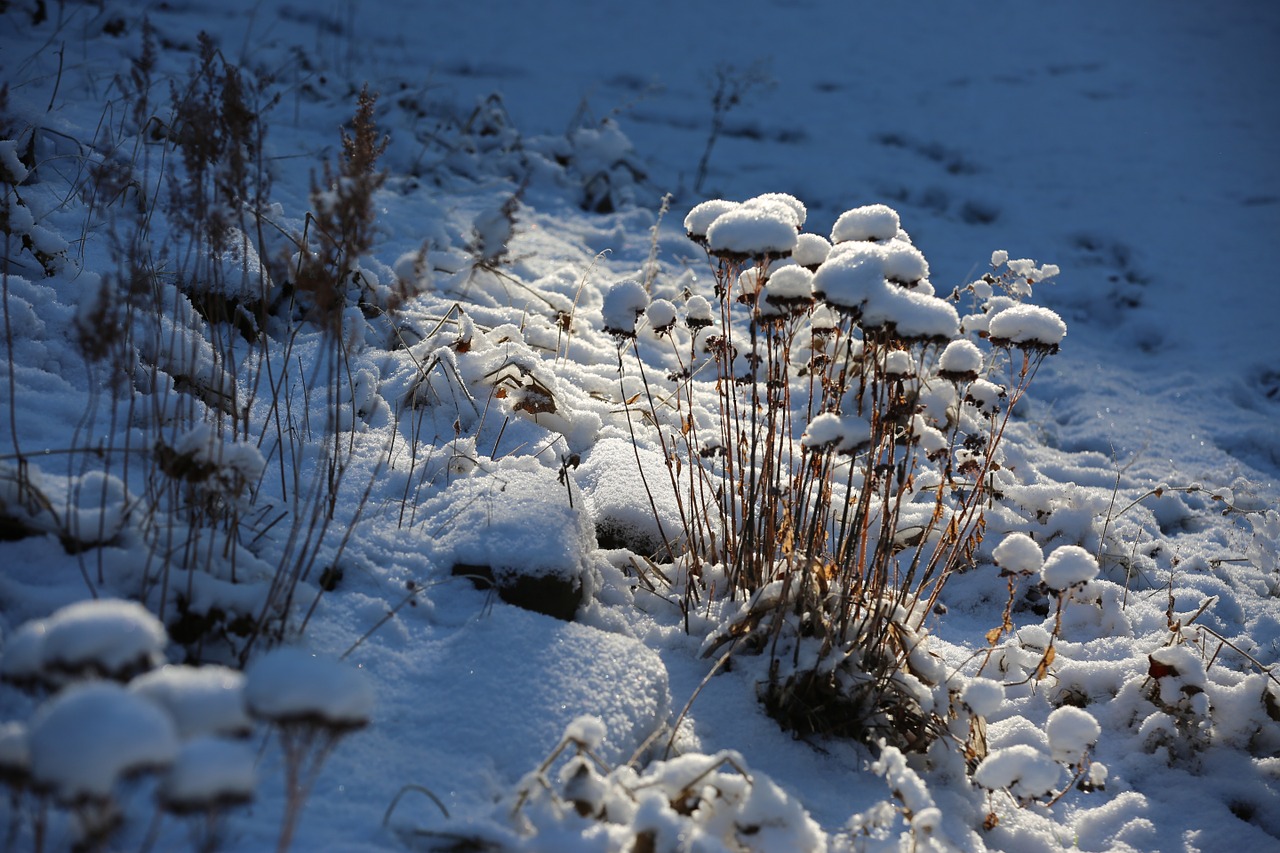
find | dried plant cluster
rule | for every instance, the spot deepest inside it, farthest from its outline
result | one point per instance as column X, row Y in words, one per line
column 832, row 433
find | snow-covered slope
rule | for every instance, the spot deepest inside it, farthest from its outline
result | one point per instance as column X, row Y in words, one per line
column 486, row 452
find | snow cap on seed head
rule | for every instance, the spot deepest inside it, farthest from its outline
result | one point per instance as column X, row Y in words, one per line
column 289, row 685
column 1019, row 554
column 876, row 222
column 625, row 301
column 1068, row 566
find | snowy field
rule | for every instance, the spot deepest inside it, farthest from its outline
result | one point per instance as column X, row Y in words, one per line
column 401, row 511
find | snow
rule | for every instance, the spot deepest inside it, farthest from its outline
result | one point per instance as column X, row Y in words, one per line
column 203, row 700
column 15, row 754
column 625, row 301
column 1021, row 769
column 1068, row 566
column 107, row 637
column 661, row 315
column 811, row 250
column 754, row 231
column 1027, row 325
column 961, row 359
column 290, row 685
column 1018, row 552
column 875, row 222
column 1071, row 732
column 1168, row 643
column 701, row 215
column 209, row 772
column 89, row 736
column 843, row 433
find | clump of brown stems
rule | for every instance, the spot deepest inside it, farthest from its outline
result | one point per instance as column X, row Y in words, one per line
column 851, row 451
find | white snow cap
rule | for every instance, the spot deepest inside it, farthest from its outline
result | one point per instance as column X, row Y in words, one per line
column 983, row 696
column 910, row 314
column 904, row 263
column 1019, row 553
column 11, row 169
column 795, row 207
column 661, row 315
column 624, row 302
column 202, row 700
column 960, row 358
column 703, row 214
column 791, row 284
column 872, row 222
column 90, row 735
column 839, row 432
column 108, row 637
column 209, row 772
column 849, row 277
column 1068, row 566
column 1025, row 771
column 23, row 659
column 752, row 231
column 291, row 685
column 15, row 755
column 811, row 250
column 697, row 312
column 1071, row 732
column 586, row 730
column 1027, row 324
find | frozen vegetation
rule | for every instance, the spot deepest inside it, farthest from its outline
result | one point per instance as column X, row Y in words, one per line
column 399, row 454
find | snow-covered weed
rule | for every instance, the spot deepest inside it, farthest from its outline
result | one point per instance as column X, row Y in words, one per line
column 853, row 452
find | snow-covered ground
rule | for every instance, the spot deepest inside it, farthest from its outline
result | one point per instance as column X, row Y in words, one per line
column 530, row 148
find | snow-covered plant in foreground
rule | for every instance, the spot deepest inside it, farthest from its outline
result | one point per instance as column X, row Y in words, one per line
column 693, row 802
column 854, row 453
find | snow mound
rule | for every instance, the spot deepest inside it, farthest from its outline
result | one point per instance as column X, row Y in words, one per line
column 843, row 433
column 505, row 688
column 202, row 700
column 1021, row 769
column 90, row 735
column 611, row 480
column 514, row 527
column 289, row 685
